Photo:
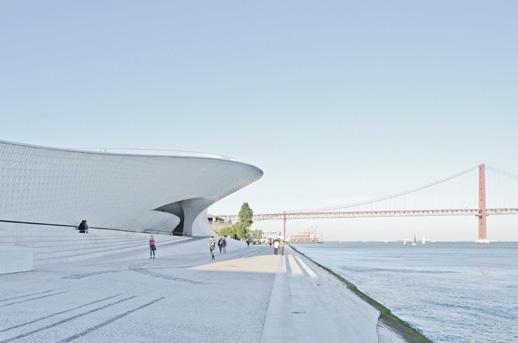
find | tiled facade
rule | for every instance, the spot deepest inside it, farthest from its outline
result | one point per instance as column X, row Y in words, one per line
column 120, row 191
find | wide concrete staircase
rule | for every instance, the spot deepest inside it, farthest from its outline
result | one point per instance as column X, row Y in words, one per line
column 60, row 244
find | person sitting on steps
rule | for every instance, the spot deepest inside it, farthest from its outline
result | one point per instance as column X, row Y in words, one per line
column 83, row 226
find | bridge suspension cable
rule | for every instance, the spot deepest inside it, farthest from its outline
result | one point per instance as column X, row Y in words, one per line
column 502, row 172
column 504, row 188
column 389, row 197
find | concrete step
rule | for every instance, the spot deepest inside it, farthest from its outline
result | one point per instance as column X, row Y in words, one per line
column 35, row 230
column 84, row 251
column 35, row 241
column 83, row 247
column 48, row 242
column 83, row 243
column 58, row 244
column 65, row 234
column 93, row 254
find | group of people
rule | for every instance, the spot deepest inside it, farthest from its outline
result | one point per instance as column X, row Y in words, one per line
column 222, row 242
column 222, row 245
column 278, row 246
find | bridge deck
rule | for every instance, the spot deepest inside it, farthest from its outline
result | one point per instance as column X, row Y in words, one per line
column 376, row 214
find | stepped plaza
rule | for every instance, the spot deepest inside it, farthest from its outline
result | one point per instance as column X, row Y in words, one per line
column 102, row 287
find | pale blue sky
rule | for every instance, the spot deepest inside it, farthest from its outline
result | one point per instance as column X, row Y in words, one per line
column 335, row 101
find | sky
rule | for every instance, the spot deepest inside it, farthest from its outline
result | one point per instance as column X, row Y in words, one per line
column 336, row 101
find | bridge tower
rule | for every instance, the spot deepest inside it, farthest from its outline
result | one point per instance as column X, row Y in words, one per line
column 482, row 211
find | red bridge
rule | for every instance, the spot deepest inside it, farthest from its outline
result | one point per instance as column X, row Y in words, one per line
column 342, row 211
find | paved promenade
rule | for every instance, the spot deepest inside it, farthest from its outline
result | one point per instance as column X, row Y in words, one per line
column 246, row 295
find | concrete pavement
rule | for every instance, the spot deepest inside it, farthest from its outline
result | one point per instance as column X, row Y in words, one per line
column 308, row 305
column 247, row 295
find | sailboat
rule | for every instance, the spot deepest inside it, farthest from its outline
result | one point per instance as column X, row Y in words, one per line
column 424, row 240
column 414, row 242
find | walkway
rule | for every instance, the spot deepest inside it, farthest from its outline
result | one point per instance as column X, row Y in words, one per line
column 247, row 295
column 308, row 304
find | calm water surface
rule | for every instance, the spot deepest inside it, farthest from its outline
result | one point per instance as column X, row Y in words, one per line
column 452, row 292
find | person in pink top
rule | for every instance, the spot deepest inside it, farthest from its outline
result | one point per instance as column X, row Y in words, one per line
column 152, row 247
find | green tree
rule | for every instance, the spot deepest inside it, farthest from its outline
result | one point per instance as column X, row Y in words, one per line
column 228, row 231
column 256, row 234
column 245, row 221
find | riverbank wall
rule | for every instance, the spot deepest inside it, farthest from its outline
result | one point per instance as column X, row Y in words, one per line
column 387, row 318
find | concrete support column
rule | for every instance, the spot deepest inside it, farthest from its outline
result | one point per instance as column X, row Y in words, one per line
column 482, row 211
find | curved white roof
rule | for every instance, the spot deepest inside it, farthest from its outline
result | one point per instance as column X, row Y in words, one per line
column 118, row 190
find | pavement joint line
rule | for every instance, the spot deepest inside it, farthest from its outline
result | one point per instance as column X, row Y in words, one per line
column 144, row 271
column 265, row 318
column 58, row 313
column 25, row 334
column 31, row 299
column 288, row 267
column 26, row 295
column 308, row 270
column 109, row 321
column 84, row 275
column 283, row 264
column 295, row 268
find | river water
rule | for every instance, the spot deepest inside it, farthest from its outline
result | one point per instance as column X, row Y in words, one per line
column 452, row 292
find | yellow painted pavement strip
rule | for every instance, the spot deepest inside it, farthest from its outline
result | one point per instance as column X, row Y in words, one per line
column 254, row 264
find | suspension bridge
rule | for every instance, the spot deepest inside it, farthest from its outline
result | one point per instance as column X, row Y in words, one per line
column 377, row 208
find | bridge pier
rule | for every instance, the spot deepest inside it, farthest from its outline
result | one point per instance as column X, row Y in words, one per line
column 482, row 210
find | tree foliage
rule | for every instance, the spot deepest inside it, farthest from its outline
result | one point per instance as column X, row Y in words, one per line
column 228, row 231
column 256, row 234
column 245, row 221
column 246, row 215
column 241, row 229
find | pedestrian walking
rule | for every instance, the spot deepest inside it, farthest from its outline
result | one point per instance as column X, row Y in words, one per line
column 283, row 246
column 212, row 247
column 152, row 247
column 276, row 245
column 224, row 245
column 220, row 244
